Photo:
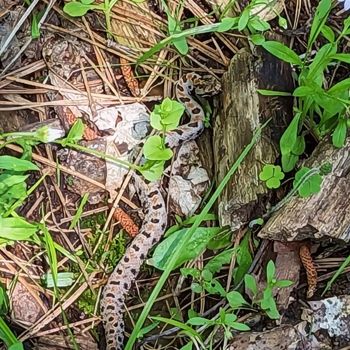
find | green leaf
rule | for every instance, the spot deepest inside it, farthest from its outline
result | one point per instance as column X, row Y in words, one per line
column 152, row 170
column 194, row 273
column 310, row 186
column 188, row 346
column 273, row 93
column 257, row 39
column 258, row 24
column 320, row 19
column 196, row 288
column 167, row 115
column 181, row 46
column 303, row 91
column 239, row 326
column 243, row 19
column 16, row 164
column 195, row 246
column 319, row 63
column 299, row 146
column 343, row 85
column 16, row 346
column 229, row 319
column 244, row 258
column 282, row 22
column 207, row 275
column 147, row 329
column 270, row 271
column 214, row 287
column 76, row 132
column 16, row 229
column 77, row 9
column 328, row 33
column 87, row 2
column 289, row 161
column 290, row 135
column 154, row 149
column 272, row 174
column 343, row 57
column 216, row 263
column 282, row 52
column 198, row 321
column 35, row 31
column 227, row 23
column 250, row 283
column 283, row 284
column 236, row 299
column 339, row 134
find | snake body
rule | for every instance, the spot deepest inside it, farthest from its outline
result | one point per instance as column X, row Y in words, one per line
column 154, row 223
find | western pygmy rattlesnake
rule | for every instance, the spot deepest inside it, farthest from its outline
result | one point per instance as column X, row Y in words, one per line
column 154, row 223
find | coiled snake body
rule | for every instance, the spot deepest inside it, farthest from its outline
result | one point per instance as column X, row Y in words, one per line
column 154, row 224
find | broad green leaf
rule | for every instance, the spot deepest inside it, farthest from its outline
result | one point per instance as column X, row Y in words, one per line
column 216, row 263
column 282, row 52
column 328, row 33
column 250, row 283
column 16, row 164
column 258, row 24
column 188, row 346
column 282, row 22
column 243, row 19
column 302, row 91
column 236, row 299
column 270, row 271
column 196, row 288
column 214, row 287
column 35, row 31
column 319, row 20
column 167, row 115
column 16, row 229
column 76, row 132
column 343, row 85
column 239, row 326
column 221, row 240
column 181, row 46
column 257, row 39
column 289, row 161
column 186, row 271
column 229, row 319
column 195, row 246
column 339, row 134
column 290, row 135
column 244, row 258
column 87, row 2
column 227, row 24
column 207, row 275
column 299, row 146
column 283, row 283
column 77, row 9
column 16, row 346
column 198, row 321
column 147, row 329
column 343, row 57
column 154, row 171
column 309, row 186
column 154, row 149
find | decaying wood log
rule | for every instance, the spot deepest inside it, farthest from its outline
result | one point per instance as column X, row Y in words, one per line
column 243, row 111
column 325, row 214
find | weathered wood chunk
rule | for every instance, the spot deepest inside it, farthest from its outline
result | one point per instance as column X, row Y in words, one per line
column 325, row 214
column 243, row 111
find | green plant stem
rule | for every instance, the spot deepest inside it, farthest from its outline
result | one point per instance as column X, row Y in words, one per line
column 174, row 258
column 6, row 334
column 98, row 154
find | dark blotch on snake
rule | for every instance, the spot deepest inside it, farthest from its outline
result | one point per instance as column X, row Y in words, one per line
column 163, row 226
column 110, row 295
column 133, row 271
column 185, row 99
column 126, row 286
column 120, row 339
column 126, row 259
column 111, row 319
column 152, row 194
column 193, row 125
column 178, row 131
column 179, row 87
column 157, row 206
column 196, row 110
column 110, row 307
column 142, row 256
column 146, row 234
column 135, row 247
column 154, row 221
column 119, row 271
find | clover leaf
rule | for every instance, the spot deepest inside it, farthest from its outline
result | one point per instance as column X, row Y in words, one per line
column 272, row 175
column 310, row 186
column 152, row 170
column 166, row 116
column 154, row 149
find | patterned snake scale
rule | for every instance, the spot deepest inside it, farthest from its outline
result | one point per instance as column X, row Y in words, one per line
column 154, row 224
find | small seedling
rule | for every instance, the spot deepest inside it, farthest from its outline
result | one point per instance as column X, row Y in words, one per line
column 310, row 186
column 272, row 175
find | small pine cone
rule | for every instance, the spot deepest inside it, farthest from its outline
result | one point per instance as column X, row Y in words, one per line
column 311, row 273
column 126, row 222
